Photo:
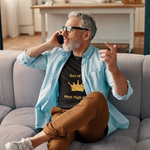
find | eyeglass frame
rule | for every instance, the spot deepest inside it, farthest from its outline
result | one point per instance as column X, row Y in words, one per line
column 79, row 28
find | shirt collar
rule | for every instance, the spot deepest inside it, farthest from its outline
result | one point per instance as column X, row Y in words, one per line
column 66, row 53
column 88, row 52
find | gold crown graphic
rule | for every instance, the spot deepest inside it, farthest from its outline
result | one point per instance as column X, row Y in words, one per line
column 77, row 87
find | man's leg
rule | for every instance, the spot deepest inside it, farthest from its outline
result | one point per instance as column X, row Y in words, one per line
column 82, row 117
column 54, row 144
column 93, row 131
column 62, row 143
column 96, row 129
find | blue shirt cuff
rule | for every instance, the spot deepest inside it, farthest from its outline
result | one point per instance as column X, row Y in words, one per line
column 24, row 59
column 124, row 97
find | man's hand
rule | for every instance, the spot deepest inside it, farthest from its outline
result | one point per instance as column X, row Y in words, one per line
column 53, row 42
column 49, row 45
column 110, row 57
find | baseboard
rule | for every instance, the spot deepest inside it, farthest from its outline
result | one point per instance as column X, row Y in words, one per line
column 39, row 33
column 135, row 33
column 26, row 29
column 139, row 33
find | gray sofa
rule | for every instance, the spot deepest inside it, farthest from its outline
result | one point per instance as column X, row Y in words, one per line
column 20, row 86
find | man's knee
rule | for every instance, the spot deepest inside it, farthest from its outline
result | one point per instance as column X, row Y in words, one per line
column 96, row 99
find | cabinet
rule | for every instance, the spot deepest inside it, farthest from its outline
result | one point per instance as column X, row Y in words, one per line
column 25, row 15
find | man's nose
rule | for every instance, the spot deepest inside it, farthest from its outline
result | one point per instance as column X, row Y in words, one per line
column 64, row 33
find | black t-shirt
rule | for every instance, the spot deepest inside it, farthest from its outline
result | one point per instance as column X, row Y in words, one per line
column 71, row 89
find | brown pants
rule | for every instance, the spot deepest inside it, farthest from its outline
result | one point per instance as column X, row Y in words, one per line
column 86, row 122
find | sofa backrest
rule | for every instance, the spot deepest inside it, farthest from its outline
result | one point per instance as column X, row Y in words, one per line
column 7, row 59
column 20, row 86
column 145, row 103
column 27, row 84
column 131, row 66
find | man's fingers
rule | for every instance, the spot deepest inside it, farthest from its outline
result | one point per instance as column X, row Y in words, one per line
column 113, row 48
column 106, row 57
column 109, row 45
column 104, row 51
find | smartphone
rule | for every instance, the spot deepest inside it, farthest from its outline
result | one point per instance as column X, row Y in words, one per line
column 60, row 39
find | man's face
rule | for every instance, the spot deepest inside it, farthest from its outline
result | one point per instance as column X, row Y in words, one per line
column 73, row 39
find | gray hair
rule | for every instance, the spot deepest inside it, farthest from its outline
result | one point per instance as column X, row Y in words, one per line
column 87, row 21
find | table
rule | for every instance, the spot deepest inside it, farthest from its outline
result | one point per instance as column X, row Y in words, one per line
column 115, row 21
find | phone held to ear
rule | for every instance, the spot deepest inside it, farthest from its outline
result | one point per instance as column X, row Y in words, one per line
column 60, row 39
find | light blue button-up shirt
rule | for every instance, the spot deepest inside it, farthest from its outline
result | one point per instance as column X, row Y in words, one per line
column 95, row 77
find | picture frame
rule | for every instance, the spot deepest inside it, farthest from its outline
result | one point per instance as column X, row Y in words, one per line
column 132, row 1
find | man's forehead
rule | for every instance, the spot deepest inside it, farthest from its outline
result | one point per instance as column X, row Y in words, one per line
column 73, row 21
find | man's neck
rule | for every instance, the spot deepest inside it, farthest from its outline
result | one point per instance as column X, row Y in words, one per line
column 81, row 50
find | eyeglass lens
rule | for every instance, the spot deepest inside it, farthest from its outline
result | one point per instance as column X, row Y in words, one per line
column 67, row 28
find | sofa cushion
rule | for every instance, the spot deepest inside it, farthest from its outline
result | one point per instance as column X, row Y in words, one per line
column 21, row 116
column 4, row 110
column 115, row 142
column 14, row 133
column 8, row 58
column 144, row 130
column 27, row 84
column 74, row 146
column 145, row 111
column 143, row 145
column 131, row 131
column 131, row 67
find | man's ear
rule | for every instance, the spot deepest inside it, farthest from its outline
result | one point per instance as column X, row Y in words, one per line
column 87, row 35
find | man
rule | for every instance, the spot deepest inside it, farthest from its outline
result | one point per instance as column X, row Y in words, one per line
column 77, row 81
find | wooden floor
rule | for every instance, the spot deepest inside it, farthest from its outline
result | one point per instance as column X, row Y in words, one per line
column 26, row 41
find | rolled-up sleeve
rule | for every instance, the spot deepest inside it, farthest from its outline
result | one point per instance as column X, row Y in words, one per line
column 110, row 82
column 124, row 97
column 33, row 62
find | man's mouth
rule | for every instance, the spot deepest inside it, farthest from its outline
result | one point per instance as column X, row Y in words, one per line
column 66, row 40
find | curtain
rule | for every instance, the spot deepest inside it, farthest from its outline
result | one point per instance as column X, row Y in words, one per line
column 147, row 28
column 1, row 39
column 9, row 15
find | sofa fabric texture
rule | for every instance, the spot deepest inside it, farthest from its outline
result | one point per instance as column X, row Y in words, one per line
column 20, row 87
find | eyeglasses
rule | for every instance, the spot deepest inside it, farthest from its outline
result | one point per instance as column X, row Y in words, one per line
column 68, row 28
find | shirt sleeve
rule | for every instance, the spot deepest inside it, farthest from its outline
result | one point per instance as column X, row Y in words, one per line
column 39, row 62
column 111, row 84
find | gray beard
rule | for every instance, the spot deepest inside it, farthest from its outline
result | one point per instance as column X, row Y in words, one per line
column 73, row 45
